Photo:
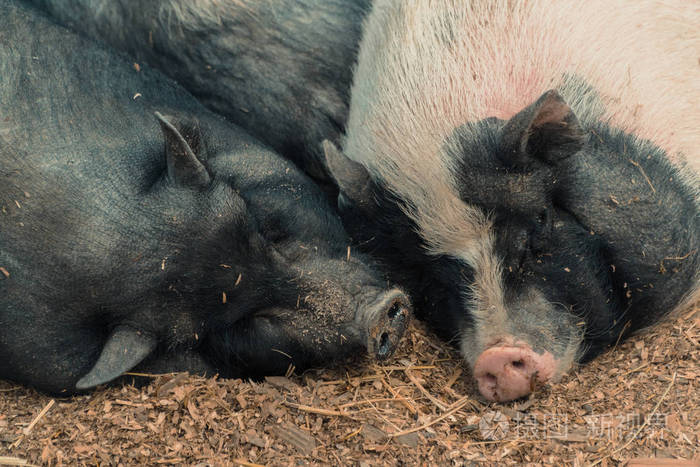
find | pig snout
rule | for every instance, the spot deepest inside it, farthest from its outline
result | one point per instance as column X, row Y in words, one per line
column 384, row 321
column 507, row 372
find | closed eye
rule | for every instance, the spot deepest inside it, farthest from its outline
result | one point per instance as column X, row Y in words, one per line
column 541, row 233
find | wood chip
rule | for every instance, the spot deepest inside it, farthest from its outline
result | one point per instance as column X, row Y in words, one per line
column 349, row 410
column 373, row 434
column 33, row 423
column 297, row 437
column 4, row 460
column 411, row 440
column 283, row 382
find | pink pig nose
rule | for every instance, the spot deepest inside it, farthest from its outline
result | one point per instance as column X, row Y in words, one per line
column 508, row 372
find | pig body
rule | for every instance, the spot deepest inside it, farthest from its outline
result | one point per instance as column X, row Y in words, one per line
column 281, row 69
column 140, row 230
column 528, row 172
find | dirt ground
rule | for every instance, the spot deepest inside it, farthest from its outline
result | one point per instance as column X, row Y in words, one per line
column 640, row 400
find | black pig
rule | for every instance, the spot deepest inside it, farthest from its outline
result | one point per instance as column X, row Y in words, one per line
column 139, row 229
column 280, row 69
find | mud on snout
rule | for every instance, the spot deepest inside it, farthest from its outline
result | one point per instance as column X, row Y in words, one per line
column 383, row 321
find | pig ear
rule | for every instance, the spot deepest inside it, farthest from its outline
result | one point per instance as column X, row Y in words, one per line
column 352, row 178
column 183, row 166
column 547, row 130
column 124, row 349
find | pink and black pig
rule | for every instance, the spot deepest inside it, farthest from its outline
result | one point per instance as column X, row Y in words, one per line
column 528, row 170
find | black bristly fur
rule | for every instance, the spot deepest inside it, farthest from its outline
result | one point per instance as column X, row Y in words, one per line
column 177, row 233
column 280, row 69
column 595, row 219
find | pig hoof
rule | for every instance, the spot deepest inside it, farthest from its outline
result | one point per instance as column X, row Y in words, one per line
column 392, row 313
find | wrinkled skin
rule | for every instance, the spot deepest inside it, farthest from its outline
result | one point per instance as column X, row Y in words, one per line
column 280, row 69
column 141, row 231
column 595, row 231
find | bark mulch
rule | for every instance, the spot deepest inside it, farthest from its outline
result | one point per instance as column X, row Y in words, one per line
column 641, row 400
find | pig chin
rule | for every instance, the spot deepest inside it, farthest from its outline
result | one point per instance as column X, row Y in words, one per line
column 535, row 344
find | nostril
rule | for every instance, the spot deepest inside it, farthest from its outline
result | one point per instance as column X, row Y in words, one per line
column 394, row 310
column 384, row 322
column 490, row 378
column 384, row 347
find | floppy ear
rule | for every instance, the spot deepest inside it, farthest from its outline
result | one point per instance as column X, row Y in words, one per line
column 124, row 349
column 547, row 130
column 352, row 178
column 184, row 168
